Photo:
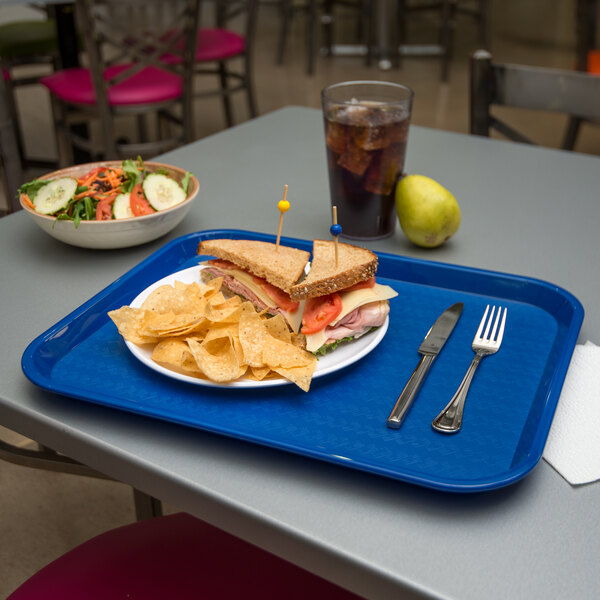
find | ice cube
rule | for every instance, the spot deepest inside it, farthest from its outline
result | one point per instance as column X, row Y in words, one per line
column 382, row 131
column 355, row 159
column 336, row 137
column 385, row 169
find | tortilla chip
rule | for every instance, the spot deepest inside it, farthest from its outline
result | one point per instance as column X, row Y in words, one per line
column 200, row 332
column 217, row 359
column 276, row 353
column 278, row 328
column 177, row 300
column 301, row 376
column 130, row 322
column 252, row 332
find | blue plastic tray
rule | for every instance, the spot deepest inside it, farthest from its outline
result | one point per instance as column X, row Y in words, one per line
column 343, row 418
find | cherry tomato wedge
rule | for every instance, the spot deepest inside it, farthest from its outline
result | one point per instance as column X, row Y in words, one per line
column 137, row 201
column 361, row 285
column 319, row 312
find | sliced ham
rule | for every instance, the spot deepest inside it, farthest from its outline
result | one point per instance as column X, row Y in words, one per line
column 359, row 321
column 237, row 287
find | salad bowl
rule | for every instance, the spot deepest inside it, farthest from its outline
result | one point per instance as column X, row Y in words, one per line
column 115, row 232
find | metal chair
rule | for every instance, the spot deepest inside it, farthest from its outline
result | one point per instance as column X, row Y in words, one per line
column 587, row 57
column 49, row 460
column 26, row 43
column 448, row 12
column 225, row 51
column 328, row 13
column 175, row 556
column 519, row 86
column 10, row 162
column 140, row 56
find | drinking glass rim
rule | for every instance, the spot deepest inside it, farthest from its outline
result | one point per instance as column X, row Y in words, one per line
column 365, row 82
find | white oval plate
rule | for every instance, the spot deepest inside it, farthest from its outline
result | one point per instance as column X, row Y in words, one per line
column 344, row 355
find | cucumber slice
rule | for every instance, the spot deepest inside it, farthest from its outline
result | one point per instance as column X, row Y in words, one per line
column 122, row 207
column 55, row 195
column 162, row 191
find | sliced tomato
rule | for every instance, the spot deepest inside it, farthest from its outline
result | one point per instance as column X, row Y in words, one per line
column 104, row 208
column 137, row 201
column 282, row 299
column 223, row 264
column 319, row 312
column 361, row 285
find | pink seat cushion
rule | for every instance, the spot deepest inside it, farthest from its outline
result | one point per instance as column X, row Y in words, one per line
column 176, row 556
column 146, row 87
column 217, row 44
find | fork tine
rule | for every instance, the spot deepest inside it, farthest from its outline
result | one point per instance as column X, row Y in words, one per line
column 489, row 323
column 495, row 328
column 501, row 332
column 482, row 323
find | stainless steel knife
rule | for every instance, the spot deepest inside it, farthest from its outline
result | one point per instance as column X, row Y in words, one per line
column 430, row 347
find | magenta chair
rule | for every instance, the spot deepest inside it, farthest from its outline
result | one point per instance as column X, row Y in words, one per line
column 126, row 77
column 227, row 53
column 175, row 556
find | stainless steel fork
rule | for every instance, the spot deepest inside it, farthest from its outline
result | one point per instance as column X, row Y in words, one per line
column 484, row 343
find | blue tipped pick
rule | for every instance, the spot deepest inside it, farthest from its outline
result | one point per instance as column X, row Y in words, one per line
column 335, row 229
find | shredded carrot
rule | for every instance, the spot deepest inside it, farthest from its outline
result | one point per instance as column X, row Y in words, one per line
column 28, row 201
column 84, row 194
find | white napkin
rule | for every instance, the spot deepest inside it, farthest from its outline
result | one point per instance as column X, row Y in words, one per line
column 573, row 445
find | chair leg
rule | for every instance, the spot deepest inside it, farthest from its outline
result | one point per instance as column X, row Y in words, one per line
column 446, row 36
column 9, row 155
column 399, row 33
column 249, row 81
column 571, row 133
column 311, row 30
column 142, row 128
column 224, row 91
column 63, row 141
column 286, row 19
column 483, row 24
column 14, row 113
column 146, row 507
column 326, row 25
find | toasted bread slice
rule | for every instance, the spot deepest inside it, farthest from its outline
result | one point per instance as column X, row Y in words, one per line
column 281, row 267
column 355, row 264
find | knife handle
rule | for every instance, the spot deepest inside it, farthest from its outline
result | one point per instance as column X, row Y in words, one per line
column 409, row 392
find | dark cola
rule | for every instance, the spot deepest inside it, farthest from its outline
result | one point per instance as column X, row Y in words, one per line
column 366, row 146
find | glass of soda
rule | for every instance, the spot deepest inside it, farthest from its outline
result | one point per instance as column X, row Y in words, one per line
column 366, row 131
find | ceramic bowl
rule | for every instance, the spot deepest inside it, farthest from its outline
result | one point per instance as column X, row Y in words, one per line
column 117, row 233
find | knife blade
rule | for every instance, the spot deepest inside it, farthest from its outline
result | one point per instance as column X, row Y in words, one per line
column 430, row 347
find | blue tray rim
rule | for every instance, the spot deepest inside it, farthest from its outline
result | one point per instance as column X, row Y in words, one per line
column 440, row 483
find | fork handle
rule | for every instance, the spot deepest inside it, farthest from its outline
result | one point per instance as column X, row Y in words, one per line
column 450, row 419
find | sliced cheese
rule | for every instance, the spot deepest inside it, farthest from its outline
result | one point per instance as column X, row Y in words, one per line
column 350, row 302
column 293, row 318
column 254, row 287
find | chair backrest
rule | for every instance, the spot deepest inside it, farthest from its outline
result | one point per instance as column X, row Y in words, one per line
column 241, row 11
column 141, row 34
column 536, row 88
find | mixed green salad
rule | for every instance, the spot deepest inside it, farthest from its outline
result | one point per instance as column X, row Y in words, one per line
column 106, row 193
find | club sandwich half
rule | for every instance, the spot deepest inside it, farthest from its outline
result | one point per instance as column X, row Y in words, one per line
column 260, row 272
column 341, row 302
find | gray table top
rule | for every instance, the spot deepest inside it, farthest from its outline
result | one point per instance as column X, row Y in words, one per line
column 526, row 210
